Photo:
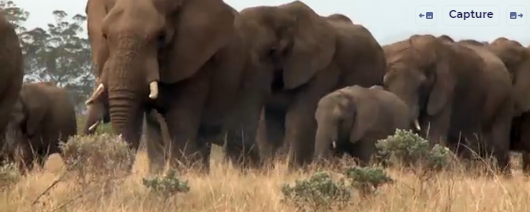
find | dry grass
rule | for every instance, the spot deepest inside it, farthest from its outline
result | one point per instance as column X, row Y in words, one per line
column 227, row 189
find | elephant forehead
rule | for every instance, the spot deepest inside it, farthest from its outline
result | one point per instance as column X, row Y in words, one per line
column 399, row 61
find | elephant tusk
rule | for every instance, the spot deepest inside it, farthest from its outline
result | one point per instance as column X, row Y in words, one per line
column 334, row 144
column 417, row 125
column 153, row 90
column 99, row 90
column 92, row 127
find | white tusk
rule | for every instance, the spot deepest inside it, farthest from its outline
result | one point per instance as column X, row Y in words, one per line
column 334, row 144
column 417, row 125
column 91, row 128
column 153, row 90
column 99, row 90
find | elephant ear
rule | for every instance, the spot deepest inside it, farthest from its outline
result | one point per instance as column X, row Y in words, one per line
column 442, row 90
column 202, row 27
column 32, row 99
column 366, row 112
column 313, row 47
column 96, row 11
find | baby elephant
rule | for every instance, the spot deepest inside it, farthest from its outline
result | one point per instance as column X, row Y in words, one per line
column 43, row 116
column 351, row 120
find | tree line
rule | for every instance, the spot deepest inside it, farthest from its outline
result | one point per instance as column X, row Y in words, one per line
column 56, row 53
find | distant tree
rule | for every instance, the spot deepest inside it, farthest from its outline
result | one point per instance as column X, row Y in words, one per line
column 56, row 53
column 61, row 56
column 15, row 15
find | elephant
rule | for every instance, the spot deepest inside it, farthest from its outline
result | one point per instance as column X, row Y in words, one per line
column 98, row 111
column 452, row 90
column 12, row 72
column 177, row 57
column 517, row 59
column 44, row 115
column 354, row 118
column 294, row 57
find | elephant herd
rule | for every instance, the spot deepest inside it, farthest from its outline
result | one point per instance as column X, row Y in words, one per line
column 198, row 72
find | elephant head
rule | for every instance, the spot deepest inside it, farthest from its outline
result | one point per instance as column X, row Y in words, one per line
column 340, row 18
column 516, row 58
column 446, row 38
column 291, row 41
column 138, row 44
column 343, row 116
column 418, row 73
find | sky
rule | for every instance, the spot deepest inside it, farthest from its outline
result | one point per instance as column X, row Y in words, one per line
column 387, row 20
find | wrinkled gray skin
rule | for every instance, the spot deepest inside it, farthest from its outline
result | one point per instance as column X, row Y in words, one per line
column 454, row 92
column 175, row 56
column 295, row 58
column 354, row 118
column 11, row 72
column 43, row 116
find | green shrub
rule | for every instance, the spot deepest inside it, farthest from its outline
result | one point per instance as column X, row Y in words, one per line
column 318, row 192
column 367, row 179
column 409, row 149
column 166, row 186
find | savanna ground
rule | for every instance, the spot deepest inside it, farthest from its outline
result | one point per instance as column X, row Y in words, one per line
column 228, row 189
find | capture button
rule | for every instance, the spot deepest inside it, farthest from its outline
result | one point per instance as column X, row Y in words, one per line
column 471, row 15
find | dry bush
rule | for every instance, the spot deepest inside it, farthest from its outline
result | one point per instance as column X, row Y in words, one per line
column 97, row 156
column 228, row 189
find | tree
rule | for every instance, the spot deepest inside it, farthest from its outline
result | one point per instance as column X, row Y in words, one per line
column 15, row 15
column 61, row 56
column 56, row 54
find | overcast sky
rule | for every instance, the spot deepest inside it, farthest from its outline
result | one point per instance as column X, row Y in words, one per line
column 388, row 20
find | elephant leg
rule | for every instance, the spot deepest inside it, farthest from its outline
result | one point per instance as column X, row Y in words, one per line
column 300, row 122
column 157, row 153
column 272, row 133
column 526, row 163
column 499, row 140
column 523, row 141
column 243, row 121
column 183, row 118
column 365, row 151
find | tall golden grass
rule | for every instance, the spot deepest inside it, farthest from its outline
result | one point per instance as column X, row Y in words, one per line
column 227, row 189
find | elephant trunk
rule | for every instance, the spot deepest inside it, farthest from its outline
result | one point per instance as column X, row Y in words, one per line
column 325, row 139
column 131, row 69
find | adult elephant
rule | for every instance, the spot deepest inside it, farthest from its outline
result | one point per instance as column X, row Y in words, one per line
column 36, row 128
column 517, row 59
column 294, row 58
column 173, row 56
column 451, row 91
column 351, row 120
column 12, row 72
